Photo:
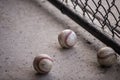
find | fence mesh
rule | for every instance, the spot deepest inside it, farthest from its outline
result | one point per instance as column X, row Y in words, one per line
column 104, row 13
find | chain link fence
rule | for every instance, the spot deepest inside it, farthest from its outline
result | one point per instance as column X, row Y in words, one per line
column 104, row 13
column 99, row 17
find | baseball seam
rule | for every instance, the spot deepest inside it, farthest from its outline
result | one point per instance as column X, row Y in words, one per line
column 60, row 40
column 66, row 43
column 36, row 63
column 104, row 57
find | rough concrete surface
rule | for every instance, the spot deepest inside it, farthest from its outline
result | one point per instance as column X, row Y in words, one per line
column 31, row 27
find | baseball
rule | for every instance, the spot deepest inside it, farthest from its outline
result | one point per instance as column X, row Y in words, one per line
column 67, row 38
column 106, row 56
column 42, row 63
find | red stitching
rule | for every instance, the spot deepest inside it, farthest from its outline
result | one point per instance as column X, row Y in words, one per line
column 67, row 38
column 38, row 61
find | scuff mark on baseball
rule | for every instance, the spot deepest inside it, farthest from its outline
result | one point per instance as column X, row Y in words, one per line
column 67, row 38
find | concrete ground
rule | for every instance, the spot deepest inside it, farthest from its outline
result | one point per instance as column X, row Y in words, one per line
column 31, row 27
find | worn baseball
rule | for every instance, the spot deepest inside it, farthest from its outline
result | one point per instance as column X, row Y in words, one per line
column 42, row 63
column 106, row 56
column 67, row 38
